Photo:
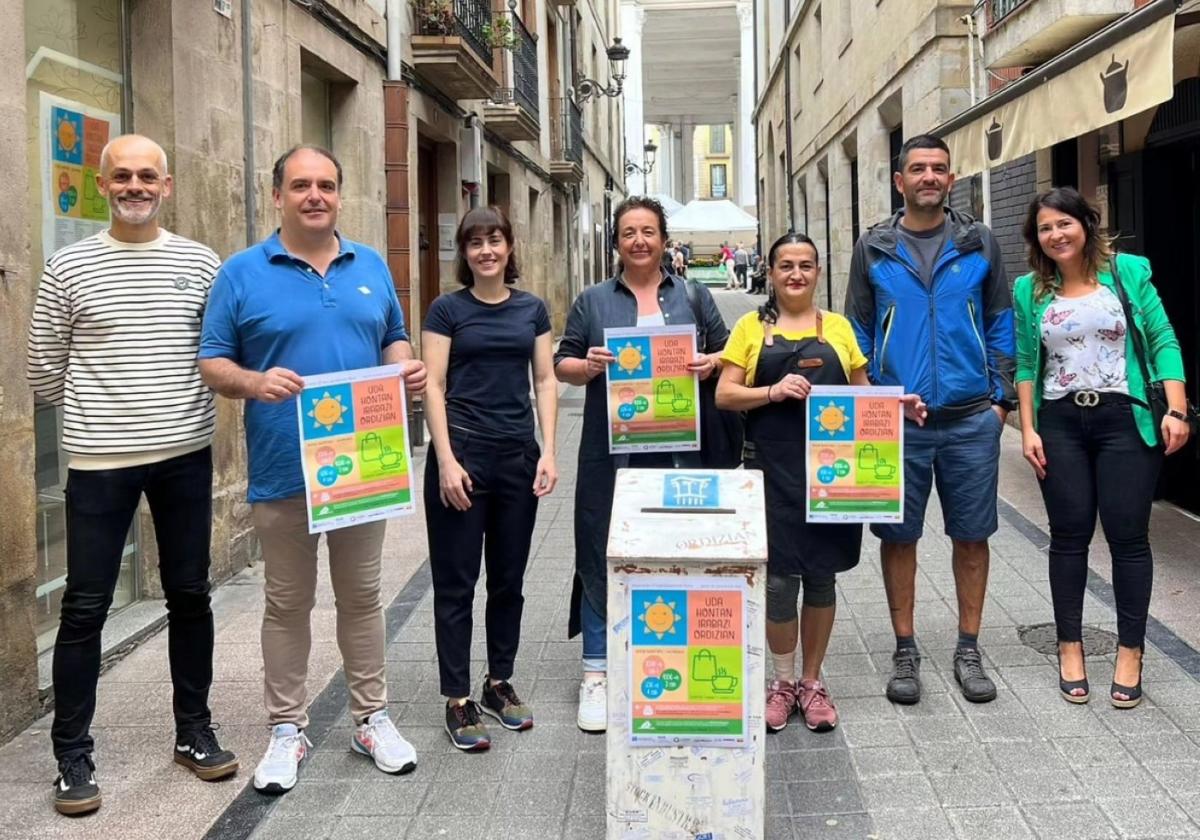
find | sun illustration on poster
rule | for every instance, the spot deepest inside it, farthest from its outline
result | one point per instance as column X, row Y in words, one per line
column 831, row 417
column 630, row 358
column 327, row 411
column 659, row 617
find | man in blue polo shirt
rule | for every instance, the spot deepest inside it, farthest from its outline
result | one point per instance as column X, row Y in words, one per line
column 304, row 302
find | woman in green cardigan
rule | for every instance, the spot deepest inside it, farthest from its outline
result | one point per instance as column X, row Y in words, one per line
column 1086, row 426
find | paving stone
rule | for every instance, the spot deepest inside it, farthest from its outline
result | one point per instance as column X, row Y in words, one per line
column 1007, row 728
column 1126, row 782
column 1039, row 787
column 1159, row 817
column 777, row 799
column 875, row 733
column 884, row 792
column 945, row 759
column 818, row 765
column 966, row 790
column 992, row 822
column 533, row 796
column 1157, row 748
column 938, row 729
column 1093, row 751
column 442, row 827
column 885, row 761
column 315, row 798
column 289, row 828
column 830, row 825
column 515, row 826
column 584, row 827
column 816, row 798
column 1069, row 821
column 924, row 823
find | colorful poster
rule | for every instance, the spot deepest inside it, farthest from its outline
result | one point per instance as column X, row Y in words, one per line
column 687, row 662
column 73, row 135
column 653, row 399
column 855, row 454
column 354, row 447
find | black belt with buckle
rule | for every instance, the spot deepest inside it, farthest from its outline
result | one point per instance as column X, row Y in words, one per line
column 1090, row 399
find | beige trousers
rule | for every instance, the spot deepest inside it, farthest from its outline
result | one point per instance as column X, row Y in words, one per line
column 290, row 564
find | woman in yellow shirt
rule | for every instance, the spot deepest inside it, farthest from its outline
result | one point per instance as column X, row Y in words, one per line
column 773, row 358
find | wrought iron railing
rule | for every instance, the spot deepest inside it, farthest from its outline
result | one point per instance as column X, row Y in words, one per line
column 525, row 68
column 467, row 19
column 566, row 131
column 1000, row 9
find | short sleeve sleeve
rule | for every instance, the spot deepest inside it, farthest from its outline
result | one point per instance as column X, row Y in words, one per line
column 541, row 318
column 737, row 348
column 219, row 333
column 395, row 329
column 439, row 319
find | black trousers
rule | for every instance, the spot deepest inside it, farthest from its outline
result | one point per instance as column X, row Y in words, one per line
column 499, row 524
column 1097, row 463
column 100, row 508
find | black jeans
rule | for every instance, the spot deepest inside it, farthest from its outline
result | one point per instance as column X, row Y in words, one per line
column 100, row 507
column 499, row 524
column 1097, row 462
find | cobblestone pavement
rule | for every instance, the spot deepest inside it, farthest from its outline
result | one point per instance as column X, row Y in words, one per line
column 1026, row 765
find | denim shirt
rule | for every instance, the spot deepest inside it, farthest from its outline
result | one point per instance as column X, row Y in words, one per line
column 612, row 304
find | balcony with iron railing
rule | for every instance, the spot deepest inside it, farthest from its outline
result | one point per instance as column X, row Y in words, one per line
column 451, row 47
column 1025, row 33
column 514, row 112
column 566, row 141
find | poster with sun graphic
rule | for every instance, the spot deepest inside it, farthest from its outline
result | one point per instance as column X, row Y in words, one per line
column 354, row 447
column 687, row 662
column 653, row 399
column 855, row 454
column 72, row 137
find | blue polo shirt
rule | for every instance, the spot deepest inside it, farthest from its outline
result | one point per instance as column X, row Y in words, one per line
column 269, row 309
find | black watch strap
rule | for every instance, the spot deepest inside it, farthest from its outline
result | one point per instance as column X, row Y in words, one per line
column 1178, row 415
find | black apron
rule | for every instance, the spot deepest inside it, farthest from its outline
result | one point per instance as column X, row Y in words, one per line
column 775, row 445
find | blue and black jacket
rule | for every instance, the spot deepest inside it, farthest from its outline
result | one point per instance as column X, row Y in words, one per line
column 953, row 341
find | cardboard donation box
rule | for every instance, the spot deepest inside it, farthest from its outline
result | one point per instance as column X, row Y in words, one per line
column 687, row 554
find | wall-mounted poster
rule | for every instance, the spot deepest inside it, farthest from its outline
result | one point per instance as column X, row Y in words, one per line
column 73, row 136
column 653, row 399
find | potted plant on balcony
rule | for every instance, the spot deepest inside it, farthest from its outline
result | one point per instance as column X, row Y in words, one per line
column 499, row 33
column 434, row 17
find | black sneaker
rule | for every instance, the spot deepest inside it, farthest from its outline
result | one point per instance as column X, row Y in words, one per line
column 905, row 684
column 977, row 686
column 75, row 790
column 199, row 752
column 464, row 727
column 502, row 703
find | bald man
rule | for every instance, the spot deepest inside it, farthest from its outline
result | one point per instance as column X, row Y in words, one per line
column 113, row 341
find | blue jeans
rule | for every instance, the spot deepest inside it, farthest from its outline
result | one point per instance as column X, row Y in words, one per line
column 963, row 457
column 595, row 638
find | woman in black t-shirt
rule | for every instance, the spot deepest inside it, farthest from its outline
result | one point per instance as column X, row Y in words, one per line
column 483, row 484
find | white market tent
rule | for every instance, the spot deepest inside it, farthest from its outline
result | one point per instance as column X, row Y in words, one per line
column 706, row 224
column 669, row 205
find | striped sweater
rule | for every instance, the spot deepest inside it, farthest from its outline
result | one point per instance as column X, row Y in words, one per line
column 113, row 340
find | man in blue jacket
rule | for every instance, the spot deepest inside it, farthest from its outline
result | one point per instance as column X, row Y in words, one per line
column 932, row 311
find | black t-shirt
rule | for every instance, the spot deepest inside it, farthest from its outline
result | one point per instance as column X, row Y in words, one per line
column 491, row 349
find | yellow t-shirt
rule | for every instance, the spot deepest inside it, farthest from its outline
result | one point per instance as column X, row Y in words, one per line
column 746, row 340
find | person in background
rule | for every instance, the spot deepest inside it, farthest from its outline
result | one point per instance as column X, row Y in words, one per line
column 741, row 266
column 482, row 488
column 727, row 265
column 1086, row 425
column 772, row 359
column 641, row 295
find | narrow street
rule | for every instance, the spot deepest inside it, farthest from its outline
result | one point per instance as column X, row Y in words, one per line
column 1026, row 765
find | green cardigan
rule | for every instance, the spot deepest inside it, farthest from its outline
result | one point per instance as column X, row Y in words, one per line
column 1149, row 319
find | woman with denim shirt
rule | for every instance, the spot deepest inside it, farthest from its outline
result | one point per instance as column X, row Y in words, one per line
column 643, row 294
column 1086, row 426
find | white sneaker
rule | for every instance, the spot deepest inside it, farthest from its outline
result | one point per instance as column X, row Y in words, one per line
column 277, row 771
column 379, row 739
column 593, row 705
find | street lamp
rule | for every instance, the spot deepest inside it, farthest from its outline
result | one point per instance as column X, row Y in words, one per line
column 618, row 54
column 647, row 166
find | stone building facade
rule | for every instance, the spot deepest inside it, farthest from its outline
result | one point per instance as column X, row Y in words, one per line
column 840, row 86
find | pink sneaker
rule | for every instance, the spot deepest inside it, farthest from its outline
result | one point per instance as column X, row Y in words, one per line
column 812, row 698
column 781, row 697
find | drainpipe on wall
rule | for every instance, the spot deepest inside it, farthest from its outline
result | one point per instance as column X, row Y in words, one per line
column 787, row 169
column 393, row 40
column 758, row 197
column 972, row 36
column 249, row 179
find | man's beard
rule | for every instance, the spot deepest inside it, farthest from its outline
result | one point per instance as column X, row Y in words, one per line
column 134, row 216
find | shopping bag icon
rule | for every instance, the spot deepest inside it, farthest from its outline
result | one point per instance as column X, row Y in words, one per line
column 868, row 456
column 704, row 666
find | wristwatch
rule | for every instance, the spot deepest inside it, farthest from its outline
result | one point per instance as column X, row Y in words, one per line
column 1178, row 415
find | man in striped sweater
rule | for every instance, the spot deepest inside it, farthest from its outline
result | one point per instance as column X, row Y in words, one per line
column 113, row 341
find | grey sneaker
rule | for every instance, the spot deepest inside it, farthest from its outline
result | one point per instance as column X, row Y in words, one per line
column 977, row 687
column 905, row 684
column 501, row 702
column 464, row 727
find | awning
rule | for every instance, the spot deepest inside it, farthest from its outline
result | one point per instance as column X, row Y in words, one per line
column 1122, row 70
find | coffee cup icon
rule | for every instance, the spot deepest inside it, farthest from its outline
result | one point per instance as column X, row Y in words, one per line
column 1115, row 79
column 995, row 139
